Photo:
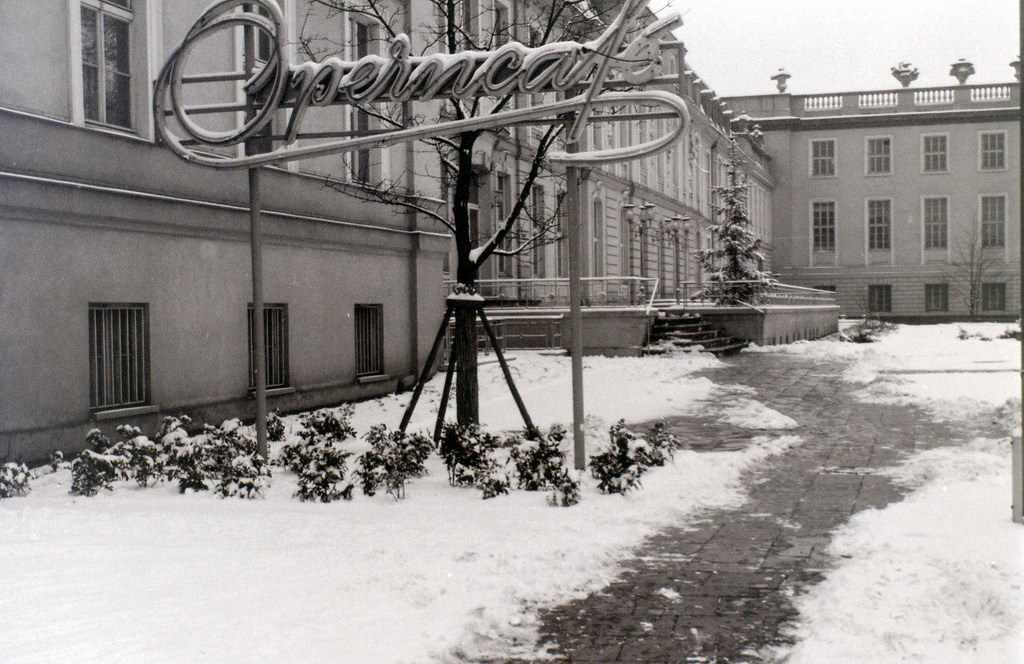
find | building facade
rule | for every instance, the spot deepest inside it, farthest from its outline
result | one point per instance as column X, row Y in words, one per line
column 904, row 202
column 126, row 271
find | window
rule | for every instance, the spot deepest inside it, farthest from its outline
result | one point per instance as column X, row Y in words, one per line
column 933, row 152
column 879, row 155
column 118, row 355
column 500, row 207
column 362, row 36
column 993, row 221
column 369, row 336
column 275, row 345
column 992, row 147
column 823, row 225
column 597, row 240
column 470, row 22
column 936, row 216
column 936, row 297
column 501, row 24
column 993, row 297
column 823, row 158
column 106, row 72
column 537, row 251
column 880, row 298
column 879, row 223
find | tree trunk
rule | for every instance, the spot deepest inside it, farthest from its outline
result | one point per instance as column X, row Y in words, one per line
column 467, row 393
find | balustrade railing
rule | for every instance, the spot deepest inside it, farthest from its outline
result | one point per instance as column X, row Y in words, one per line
column 554, row 291
column 877, row 99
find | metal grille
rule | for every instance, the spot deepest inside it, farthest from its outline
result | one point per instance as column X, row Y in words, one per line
column 118, row 355
column 369, row 339
column 275, row 345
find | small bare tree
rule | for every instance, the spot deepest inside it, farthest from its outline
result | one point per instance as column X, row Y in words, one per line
column 972, row 262
column 456, row 26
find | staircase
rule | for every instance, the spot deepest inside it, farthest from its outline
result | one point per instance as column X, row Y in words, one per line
column 674, row 331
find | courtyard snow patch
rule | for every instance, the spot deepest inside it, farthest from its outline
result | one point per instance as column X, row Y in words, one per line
column 147, row 575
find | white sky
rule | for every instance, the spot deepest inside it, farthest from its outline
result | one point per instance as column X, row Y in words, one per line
column 844, row 45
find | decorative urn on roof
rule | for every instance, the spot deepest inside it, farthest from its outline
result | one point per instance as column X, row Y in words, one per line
column 1016, row 68
column 961, row 70
column 904, row 73
column 780, row 79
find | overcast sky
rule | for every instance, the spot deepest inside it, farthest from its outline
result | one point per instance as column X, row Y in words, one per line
column 842, row 45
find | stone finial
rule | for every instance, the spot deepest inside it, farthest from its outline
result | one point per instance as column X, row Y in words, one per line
column 961, row 70
column 904, row 73
column 780, row 77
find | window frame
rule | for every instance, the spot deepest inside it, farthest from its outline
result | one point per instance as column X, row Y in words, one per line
column 868, row 225
column 981, row 150
column 983, row 223
column 811, row 159
column 868, row 171
column 989, row 287
column 118, row 12
column 925, row 154
column 814, row 226
column 370, row 363
column 925, row 237
column 139, row 365
column 283, row 363
column 930, row 292
column 886, row 292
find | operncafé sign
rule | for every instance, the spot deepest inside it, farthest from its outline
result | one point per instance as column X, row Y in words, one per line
column 400, row 77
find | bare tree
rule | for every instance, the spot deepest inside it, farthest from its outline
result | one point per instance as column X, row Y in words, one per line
column 972, row 262
column 456, row 26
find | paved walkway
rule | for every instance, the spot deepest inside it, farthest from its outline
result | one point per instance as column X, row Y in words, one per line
column 719, row 592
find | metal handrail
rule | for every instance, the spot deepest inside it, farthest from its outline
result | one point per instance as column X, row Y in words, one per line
column 654, row 292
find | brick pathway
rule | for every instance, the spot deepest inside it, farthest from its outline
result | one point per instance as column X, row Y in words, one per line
column 719, row 591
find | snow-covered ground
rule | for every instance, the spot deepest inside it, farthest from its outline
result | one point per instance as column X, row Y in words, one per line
column 939, row 576
column 147, row 575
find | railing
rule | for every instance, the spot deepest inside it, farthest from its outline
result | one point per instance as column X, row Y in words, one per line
column 956, row 96
column 823, row 103
column 877, row 99
column 693, row 292
column 554, row 292
column 991, row 93
column 934, row 96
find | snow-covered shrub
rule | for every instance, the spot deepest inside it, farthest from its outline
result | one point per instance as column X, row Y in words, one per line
column 56, row 460
column 275, row 427
column 661, row 445
column 1012, row 332
column 92, row 471
column 14, row 479
column 186, row 462
column 233, row 463
column 393, row 458
column 565, row 491
column 618, row 468
column 490, row 478
column 327, row 423
column 322, row 471
column 146, row 458
column 538, row 458
column 96, row 441
column 465, row 449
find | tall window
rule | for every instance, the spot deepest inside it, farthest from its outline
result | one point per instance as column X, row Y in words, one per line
column 118, row 355
column 500, row 207
column 993, row 221
column 934, row 150
column 880, row 298
column 823, row 158
column 106, row 72
column 879, row 224
column 879, row 155
column 992, row 148
column 993, row 297
column 823, row 225
column 936, row 221
column 597, row 241
column 936, row 297
column 562, row 253
column 369, row 336
column 537, row 251
column 501, row 24
column 362, row 37
column 275, row 345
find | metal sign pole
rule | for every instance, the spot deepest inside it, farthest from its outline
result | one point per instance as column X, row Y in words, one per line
column 1017, row 474
column 575, row 239
column 259, row 350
